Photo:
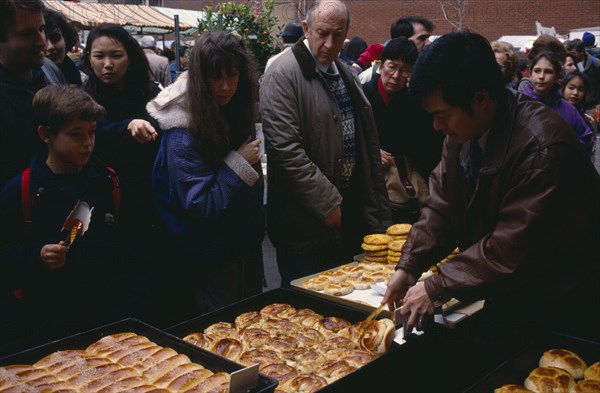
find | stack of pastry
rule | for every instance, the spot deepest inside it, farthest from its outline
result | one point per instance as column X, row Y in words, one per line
column 557, row 372
column 376, row 247
column 301, row 349
column 122, row 362
column 350, row 277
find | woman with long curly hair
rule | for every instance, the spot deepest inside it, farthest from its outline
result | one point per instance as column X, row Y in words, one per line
column 207, row 179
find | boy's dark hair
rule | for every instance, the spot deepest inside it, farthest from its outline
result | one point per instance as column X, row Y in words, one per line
column 55, row 19
column 459, row 64
column 403, row 27
column 8, row 10
column 400, row 48
column 56, row 105
column 575, row 45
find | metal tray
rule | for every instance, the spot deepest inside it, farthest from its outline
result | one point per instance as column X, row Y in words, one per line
column 378, row 375
column 83, row 340
column 517, row 369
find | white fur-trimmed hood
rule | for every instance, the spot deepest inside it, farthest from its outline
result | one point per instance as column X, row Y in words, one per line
column 169, row 106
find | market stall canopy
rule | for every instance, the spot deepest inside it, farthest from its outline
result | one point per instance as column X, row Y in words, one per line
column 186, row 17
column 137, row 19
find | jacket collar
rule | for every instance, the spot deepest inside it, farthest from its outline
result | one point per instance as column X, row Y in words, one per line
column 308, row 64
column 499, row 138
column 169, row 107
column 94, row 170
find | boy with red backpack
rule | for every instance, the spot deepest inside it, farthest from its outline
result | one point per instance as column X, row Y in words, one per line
column 50, row 290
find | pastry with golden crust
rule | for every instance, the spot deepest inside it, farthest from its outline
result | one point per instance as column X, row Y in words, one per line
column 371, row 266
column 251, row 318
column 200, row 339
column 277, row 311
column 316, row 283
column 549, row 380
column 338, row 289
column 306, row 317
column 398, row 229
column 377, row 238
column 280, row 372
column 229, row 348
column 361, row 283
column 586, row 386
column 334, row 276
column 512, row 388
column 305, row 384
column 254, row 337
column 373, row 247
column 332, row 370
column 565, row 359
column 352, row 270
column 329, row 326
column 221, row 330
column 262, row 357
column 592, row 372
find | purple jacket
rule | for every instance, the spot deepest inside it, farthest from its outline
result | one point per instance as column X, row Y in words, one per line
column 570, row 114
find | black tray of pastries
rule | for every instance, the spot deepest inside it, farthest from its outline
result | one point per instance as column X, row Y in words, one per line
column 517, row 369
column 133, row 332
column 378, row 374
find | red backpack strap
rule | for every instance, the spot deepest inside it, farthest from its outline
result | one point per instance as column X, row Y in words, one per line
column 116, row 193
column 26, row 202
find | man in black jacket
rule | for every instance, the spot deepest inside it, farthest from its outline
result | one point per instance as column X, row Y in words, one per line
column 22, row 45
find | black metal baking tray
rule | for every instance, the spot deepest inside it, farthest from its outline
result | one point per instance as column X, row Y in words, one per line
column 83, row 340
column 516, row 370
column 379, row 375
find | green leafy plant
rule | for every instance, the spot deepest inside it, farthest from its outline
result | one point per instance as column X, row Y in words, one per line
column 254, row 27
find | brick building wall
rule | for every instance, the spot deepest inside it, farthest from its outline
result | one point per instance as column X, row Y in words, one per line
column 492, row 18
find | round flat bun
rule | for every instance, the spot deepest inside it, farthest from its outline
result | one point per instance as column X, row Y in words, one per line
column 361, row 282
column 565, row 359
column 549, row 379
column 396, row 245
column 338, row 289
column 592, row 372
column 373, row 247
column 334, row 276
column 586, row 387
column 377, row 239
column 512, row 388
column 316, row 283
column 398, row 229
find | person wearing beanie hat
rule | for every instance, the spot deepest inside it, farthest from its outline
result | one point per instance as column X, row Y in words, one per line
column 588, row 39
column 292, row 32
column 159, row 65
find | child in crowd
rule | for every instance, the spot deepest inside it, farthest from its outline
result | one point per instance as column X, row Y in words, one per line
column 50, row 290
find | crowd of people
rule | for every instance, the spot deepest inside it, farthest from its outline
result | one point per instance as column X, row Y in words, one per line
column 494, row 158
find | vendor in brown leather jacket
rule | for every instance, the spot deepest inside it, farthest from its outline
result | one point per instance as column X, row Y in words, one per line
column 527, row 222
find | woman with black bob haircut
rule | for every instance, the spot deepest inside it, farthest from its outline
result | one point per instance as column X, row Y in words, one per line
column 119, row 80
column 207, row 179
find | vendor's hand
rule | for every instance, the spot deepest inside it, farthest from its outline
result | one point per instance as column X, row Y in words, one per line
column 142, row 131
column 386, row 158
column 334, row 221
column 250, row 150
column 417, row 303
column 397, row 287
column 54, row 256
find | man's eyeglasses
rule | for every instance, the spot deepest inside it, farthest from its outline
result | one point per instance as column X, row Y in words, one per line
column 392, row 68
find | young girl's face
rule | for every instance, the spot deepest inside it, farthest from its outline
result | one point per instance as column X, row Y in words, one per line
column 543, row 77
column 71, row 148
column 574, row 91
column 225, row 85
